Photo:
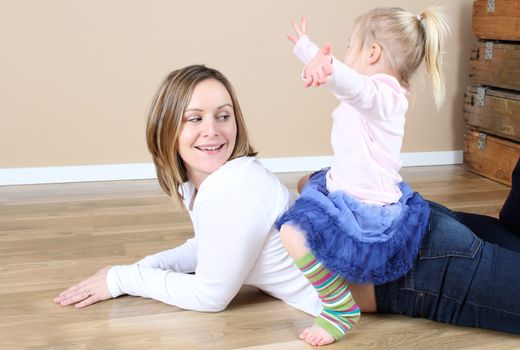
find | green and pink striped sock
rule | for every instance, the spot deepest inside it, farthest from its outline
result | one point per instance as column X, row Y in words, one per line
column 340, row 311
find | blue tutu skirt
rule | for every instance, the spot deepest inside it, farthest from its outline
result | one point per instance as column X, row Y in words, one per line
column 366, row 243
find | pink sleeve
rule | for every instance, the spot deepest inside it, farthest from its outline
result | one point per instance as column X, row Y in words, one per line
column 376, row 97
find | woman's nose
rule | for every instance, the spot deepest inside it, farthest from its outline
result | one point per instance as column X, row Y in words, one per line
column 209, row 126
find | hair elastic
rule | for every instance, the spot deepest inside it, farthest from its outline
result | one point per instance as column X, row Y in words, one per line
column 419, row 17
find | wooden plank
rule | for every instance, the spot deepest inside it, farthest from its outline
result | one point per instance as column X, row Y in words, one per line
column 496, row 112
column 501, row 69
column 503, row 23
column 494, row 158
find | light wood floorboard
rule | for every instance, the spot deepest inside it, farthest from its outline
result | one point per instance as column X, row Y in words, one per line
column 54, row 235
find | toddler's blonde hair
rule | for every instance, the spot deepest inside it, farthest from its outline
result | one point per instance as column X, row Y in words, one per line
column 407, row 39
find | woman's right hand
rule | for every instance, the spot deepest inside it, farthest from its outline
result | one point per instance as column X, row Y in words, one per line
column 87, row 292
column 300, row 30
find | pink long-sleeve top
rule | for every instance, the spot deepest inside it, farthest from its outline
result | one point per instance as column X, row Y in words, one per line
column 367, row 130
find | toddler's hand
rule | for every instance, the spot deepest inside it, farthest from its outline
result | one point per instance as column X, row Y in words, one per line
column 299, row 29
column 319, row 67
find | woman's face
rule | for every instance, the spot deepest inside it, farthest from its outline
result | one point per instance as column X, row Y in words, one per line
column 208, row 132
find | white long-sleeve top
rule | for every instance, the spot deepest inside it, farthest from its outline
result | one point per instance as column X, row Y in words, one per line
column 367, row 130
column 235, row 244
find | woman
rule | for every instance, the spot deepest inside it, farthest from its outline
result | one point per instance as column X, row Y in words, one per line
column 203, row 157
column 199, row 144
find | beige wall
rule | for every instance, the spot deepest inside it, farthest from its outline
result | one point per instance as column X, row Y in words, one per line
column 76, row 77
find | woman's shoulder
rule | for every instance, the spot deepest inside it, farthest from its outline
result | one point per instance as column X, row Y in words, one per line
column 244, row 177
column 242, row 171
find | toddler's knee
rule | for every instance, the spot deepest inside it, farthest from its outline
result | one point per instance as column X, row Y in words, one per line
column 302, row 182
column 293, row 240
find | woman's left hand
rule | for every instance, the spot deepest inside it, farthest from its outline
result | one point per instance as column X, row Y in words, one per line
column 86, row 292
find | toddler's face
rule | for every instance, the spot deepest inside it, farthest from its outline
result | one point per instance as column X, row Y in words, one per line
column 356, row 56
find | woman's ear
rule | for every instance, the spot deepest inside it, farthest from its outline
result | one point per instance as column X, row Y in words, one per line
column 374, row 53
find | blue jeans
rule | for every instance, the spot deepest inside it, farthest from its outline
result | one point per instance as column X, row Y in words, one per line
column 458, row 278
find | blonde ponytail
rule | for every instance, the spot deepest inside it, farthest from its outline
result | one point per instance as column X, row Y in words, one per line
column 408, row 39
column 435, row 28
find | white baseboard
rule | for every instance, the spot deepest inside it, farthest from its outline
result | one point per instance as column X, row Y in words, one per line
column 109, row 172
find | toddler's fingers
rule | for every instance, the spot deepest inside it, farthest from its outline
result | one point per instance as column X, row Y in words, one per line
column 327, row 69
column 297, row 29
column 326, row 49
column 308, row 80
column 315, row 79
column 324, row 76
column 318, row 78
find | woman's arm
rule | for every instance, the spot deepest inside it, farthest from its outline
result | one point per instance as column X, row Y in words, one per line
column 180, row 259
column 103, row 284
column 231, row 230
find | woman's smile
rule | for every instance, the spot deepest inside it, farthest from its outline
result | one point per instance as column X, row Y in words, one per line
column 208, row 133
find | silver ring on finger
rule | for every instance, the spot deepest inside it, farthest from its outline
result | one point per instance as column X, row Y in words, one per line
column 87, row 292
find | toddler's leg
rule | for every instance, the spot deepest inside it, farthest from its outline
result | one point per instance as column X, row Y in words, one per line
column 340, row 311
column 302, row 182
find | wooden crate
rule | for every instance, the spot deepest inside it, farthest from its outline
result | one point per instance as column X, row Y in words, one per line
column 495, row 64
column 489, row 156
column 493, row 111
column 496, row 19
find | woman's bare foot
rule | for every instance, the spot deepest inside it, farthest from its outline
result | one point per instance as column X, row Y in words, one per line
column 316, row 336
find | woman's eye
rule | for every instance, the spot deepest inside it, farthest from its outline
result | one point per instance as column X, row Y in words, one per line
column 223, row 117
column 194, row 118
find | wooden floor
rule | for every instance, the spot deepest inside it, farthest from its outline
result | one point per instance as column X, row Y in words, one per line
column 54, row 235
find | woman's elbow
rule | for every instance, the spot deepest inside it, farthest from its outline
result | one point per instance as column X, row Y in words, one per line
column 213, row 304
column 216, row 309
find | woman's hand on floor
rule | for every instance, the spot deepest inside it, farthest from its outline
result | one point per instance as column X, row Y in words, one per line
column 87, row 292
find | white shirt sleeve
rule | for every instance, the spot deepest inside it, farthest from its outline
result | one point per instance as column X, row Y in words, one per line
column 232, row 227
column 180, row 259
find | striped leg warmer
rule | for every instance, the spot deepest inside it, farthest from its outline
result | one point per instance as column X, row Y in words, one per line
column 340, row 311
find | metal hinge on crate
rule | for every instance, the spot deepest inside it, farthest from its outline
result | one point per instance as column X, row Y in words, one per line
column 481, row 96
column 488, row 53
column 491, row 6
column 481, row 143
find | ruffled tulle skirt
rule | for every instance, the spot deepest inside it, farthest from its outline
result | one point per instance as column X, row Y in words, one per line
column 366, row 243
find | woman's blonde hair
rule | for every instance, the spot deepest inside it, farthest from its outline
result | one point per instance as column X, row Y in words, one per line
column 165, row 122
column 407, row 39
